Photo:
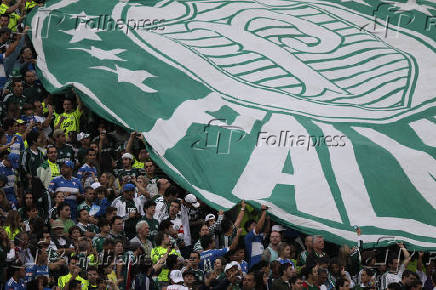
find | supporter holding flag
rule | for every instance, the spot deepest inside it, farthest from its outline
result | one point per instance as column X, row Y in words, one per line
column 69, row 120
column 163, row 202
column 210, row 253
column 395, row 270
column 254, row 238
column 139, row 162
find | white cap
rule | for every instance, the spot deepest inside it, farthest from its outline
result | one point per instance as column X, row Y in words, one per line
column 277, row 228
column 231, row 265
column 190, row 198
column 82, row 136
column 209, row 217
column 176, row 276
column 95, row 185
column 127, row 155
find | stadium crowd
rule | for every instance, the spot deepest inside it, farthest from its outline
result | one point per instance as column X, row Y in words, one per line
column 82, row 206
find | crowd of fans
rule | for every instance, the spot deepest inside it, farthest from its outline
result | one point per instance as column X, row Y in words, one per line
column 82, row 206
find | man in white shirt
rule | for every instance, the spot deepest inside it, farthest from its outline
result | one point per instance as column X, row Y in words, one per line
column 189, row 203
column 163, row 202
column 395, row 272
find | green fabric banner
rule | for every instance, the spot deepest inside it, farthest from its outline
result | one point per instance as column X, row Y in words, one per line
column 322, row 110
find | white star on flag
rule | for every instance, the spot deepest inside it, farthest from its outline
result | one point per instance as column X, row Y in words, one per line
column 83, row 29
column 135, row 77
column 81, row 34
column 102, row 54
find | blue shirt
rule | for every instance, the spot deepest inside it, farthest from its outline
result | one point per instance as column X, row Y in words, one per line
column 254, row 247
column 207, row 258
column 103, row 204
column 18, row 146
column 12, row 284
column 84, row 169
column 10, row 175
column 28, row 120
column 60, row 183
column 36, row 270
column 286, row 261
column 3, row 78
column 244, row 266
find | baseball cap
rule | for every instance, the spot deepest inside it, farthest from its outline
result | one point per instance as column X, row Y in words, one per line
column 277, row 228
column 69, row 164
column 128, row 186
column 82, row 136
column 231, row 265
column 127, row 155
column 176, row 276
column 57, row 224
column 209, row 217
column 190, row 198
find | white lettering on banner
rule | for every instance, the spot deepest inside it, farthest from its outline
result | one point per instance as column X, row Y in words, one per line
column 174, row 129
column 354, row 194
column 195, row 111
column 426, row 131
column 419, row 166
column 349, row 179
column 312, row 192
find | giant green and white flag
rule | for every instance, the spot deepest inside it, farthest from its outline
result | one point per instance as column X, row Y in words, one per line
column 322, row 110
